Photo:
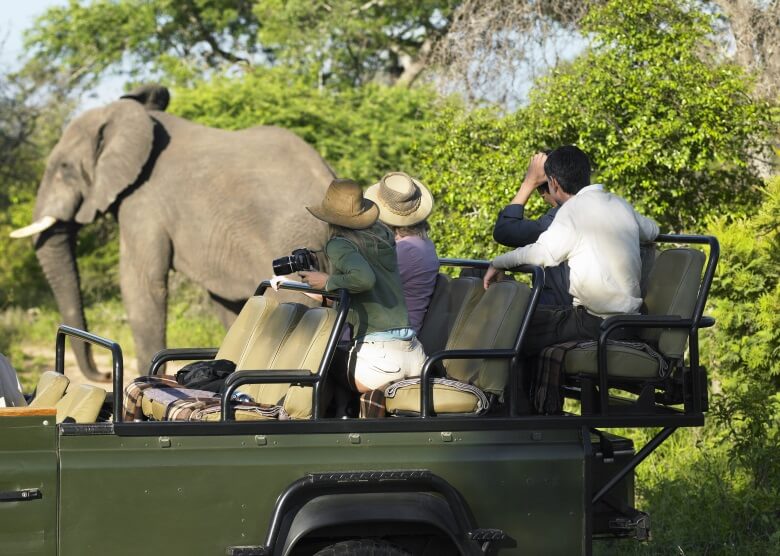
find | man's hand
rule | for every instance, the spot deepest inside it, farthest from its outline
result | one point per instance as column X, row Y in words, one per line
column 492, row 275
column 535, row 174
column 534, row 177
column 316, row 280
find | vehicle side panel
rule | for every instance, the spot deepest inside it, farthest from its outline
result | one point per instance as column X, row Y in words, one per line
column 198, row 495
column 28, row 462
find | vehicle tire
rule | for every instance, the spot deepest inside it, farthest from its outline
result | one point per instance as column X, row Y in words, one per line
column 363, row 547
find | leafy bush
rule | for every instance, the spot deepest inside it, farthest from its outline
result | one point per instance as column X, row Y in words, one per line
column 362, row 133
column 744, row 348
column 668, row 128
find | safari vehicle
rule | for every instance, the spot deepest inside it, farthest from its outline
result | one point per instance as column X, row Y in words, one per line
column 451, row 470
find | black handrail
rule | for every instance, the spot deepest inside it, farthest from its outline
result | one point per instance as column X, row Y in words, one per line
column 116, row 359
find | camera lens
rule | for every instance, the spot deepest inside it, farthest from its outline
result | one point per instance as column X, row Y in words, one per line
column 283, row 266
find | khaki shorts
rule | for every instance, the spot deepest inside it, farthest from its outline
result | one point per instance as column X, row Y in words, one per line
column 377, row 364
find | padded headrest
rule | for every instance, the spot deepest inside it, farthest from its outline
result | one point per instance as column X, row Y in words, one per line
column 493, row 323
column 51, row 388
column 672, row 289
column 81, row 404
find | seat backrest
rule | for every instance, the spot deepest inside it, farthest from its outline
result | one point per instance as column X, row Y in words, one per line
column 268, row 338
column 51, row 388
column 672, row 289
column 303, row 348
column 244, row 329
column 452, row 300
column 81, row 404
column 493, row 323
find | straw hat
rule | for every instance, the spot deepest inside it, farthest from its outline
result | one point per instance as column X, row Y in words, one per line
column 345, row 206
column 402, row 200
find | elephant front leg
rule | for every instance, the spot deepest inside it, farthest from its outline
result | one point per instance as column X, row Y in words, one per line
column 144, row 282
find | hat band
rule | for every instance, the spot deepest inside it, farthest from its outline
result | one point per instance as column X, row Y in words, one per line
column 397, row 202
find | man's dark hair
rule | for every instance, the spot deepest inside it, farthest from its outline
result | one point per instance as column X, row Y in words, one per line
column 570, row 166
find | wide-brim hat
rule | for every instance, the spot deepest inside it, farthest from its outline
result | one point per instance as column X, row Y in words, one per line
column 344, row 205
column 402, row 200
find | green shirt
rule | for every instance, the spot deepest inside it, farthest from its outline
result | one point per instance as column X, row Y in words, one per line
column 372, row 280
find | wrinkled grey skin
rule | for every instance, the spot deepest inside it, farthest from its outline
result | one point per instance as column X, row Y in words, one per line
column 216, row 205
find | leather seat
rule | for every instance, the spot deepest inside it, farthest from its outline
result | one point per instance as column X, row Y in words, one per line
column 452, row 300
column 470, row 384
column 252, row 343
column 303, row 349
column 672, row 289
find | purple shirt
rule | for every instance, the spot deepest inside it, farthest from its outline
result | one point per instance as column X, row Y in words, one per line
column 418, row 265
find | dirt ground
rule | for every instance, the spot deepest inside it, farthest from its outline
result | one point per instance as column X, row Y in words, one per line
column 37, row 359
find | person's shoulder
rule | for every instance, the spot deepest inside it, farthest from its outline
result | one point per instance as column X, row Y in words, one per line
column 338, row 244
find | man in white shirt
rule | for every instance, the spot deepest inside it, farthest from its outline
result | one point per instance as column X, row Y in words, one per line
column 598, row 233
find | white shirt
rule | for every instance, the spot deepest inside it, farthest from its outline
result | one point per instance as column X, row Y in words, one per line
column 599, row 234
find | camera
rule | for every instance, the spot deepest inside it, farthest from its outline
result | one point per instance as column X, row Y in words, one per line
column 298, row 260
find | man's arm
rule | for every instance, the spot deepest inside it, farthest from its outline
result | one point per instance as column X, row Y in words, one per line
column 551, row 249
column 648, row 229
column 512, row 230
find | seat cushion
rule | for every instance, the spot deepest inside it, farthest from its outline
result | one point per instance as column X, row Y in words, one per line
column 449, row 396
column 624, row 360
column 51, row 388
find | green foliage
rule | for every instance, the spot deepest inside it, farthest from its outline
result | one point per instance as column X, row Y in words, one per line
column 745, row 345
column 362, row 133
column 665, row 124
column 666, row 129
column 84, row 40
column 351, row 42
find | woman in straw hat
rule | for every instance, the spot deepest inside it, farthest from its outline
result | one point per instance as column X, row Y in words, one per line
column 361, row 257
column 404, row 205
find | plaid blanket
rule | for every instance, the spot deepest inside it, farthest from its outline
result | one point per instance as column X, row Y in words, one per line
column 135, row 391
column 185, row 404
column 180, row 403
column 547, row 384
column 372, row 405
column 244, row 411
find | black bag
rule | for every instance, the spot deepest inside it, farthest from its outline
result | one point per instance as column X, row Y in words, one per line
column 207, row 375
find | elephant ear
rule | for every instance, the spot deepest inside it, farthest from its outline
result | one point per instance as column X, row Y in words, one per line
column 152, row 96
column 123, row 146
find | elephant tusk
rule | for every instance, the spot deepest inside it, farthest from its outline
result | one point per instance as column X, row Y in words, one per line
column 35, row 228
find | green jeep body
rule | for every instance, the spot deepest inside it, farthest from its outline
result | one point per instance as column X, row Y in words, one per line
column 500, row 484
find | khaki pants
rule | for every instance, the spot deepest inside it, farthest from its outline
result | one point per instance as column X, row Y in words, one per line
column 377, row 364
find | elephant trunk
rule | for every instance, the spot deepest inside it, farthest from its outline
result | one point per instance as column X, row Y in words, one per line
column 55, row 249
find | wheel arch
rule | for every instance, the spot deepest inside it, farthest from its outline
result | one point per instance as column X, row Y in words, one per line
column 397, row 512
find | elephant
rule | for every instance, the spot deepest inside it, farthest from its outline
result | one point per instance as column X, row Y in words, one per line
column 215, row 205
